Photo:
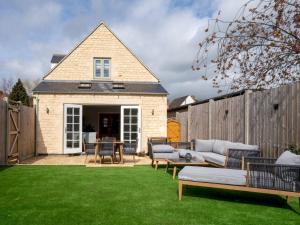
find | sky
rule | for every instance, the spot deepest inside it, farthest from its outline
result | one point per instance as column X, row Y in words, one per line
column 164, row 34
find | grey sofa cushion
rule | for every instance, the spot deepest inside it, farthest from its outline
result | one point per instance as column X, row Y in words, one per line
column 162, row 148
column 173, row 155
column 214, row 158
column 196, row 155
column 204, row 145
column 221, row 147
column 288, row 158
column 213, row 175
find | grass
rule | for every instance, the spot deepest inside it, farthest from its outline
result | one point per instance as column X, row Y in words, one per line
column 139, row 195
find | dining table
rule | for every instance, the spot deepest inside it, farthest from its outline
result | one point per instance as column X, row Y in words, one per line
column 118, row 143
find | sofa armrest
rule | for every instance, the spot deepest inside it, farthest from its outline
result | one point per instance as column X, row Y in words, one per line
column 258, row 160
column 234, row 157
column 274, row 176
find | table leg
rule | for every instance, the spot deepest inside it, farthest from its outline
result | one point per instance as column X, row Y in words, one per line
column 121, row 153
column 167, row 167
column 96, row 152
column 174, row 172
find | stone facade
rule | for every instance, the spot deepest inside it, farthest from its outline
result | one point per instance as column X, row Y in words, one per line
column 78, row 65
column 50, row 125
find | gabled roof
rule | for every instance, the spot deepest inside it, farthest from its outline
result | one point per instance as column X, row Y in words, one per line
column 178, row 101
column 56, row 58
column 99, row 87
column 101, row 24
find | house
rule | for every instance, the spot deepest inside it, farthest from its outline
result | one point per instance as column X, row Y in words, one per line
column 99, row 86
column 179, row 103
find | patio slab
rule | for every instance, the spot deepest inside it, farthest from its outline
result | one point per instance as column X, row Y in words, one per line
column 80, row 160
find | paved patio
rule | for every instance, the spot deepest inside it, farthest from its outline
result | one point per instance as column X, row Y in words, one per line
column 80, row 160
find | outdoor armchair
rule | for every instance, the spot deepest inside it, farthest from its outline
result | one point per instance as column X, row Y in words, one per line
column 88, row 141
column 130, row 149
column 107, row 148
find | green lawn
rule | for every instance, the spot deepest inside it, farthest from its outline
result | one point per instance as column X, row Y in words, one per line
column 74, row 195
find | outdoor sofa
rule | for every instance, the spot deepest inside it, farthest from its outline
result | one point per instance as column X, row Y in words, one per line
column 262, row 175
column 217, row 152
column 159, row 149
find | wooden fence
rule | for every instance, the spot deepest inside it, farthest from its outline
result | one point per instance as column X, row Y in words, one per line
column 3, row 116
column 17, row 131
column 270, row 119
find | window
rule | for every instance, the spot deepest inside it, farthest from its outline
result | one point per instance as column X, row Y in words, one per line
column 101, row 68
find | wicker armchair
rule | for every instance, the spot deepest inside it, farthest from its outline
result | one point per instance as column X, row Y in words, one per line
column 264, row 173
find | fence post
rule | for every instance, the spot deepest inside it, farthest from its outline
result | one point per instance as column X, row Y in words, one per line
column 247, row 115
column 210, row 103
column 189, row 123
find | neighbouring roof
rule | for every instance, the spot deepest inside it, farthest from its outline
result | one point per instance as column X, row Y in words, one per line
column 178, row 101
column 56, row 58
column 73, row 87
column 233, row 94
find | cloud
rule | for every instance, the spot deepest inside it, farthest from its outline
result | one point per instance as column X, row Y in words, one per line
column 163, row 33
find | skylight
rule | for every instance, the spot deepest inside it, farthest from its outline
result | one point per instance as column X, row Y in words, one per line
column 85, row 85
column 118, row 86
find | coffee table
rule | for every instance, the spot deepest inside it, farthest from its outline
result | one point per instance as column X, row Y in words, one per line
column 183, row 162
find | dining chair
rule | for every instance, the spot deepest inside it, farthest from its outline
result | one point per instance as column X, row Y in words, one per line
column 107, row 148
column 88, row 141
column 130, row 148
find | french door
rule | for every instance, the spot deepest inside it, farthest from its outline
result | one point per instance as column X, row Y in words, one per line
column 72, row 128
column 131, row 125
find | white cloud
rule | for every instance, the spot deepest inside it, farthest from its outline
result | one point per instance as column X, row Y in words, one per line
column 164, row 36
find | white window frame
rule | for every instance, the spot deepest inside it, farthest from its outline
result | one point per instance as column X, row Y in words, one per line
column 102, row 68
column 123, row 107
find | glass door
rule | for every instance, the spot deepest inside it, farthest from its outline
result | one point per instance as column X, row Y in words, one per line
column 72, row 128
column 131, row 125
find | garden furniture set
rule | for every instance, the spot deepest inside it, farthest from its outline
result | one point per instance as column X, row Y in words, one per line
column 231, row 166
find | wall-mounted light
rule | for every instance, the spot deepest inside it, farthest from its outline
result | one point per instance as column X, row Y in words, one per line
column 47, row 110
column 152, row 112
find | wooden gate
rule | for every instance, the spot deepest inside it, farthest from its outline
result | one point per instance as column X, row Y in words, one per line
column 173, row 130
column 13, row 132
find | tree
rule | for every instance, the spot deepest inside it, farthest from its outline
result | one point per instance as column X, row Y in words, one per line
column 19, row 93
column 6, row 85
column 258, row 49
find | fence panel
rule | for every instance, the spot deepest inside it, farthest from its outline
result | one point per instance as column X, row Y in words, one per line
column 182, row 117
column 3, row 116
column 27, row 135
column 273, row 119
column 199, row 121
column 228, row 119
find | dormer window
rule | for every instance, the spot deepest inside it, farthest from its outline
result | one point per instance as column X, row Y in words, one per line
column 101, row 68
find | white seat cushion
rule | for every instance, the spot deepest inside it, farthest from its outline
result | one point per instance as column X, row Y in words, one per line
column 214, row 158
column 213, row 175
